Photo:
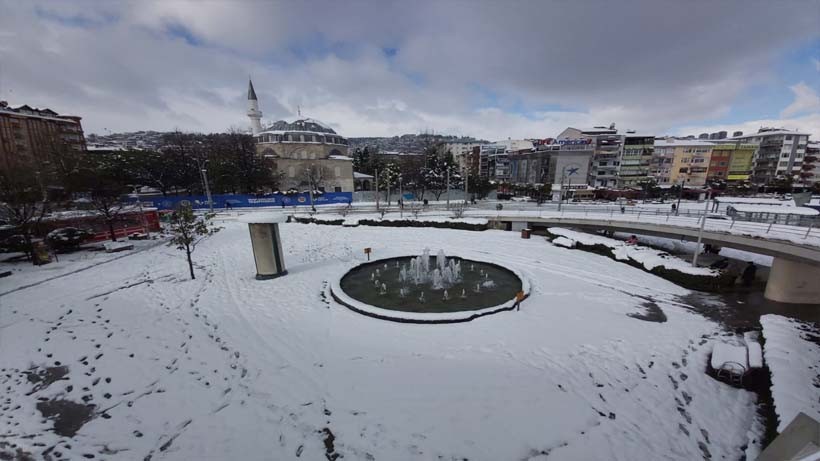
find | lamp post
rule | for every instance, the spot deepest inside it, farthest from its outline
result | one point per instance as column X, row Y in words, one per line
column 700, row 231
column 680, row 194
column 401, row 198
column 448, row 187
column 204, row 173
column 376, row 174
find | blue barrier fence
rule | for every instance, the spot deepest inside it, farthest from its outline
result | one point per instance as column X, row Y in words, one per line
column 245, row 201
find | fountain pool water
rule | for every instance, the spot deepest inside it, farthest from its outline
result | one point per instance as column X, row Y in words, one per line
column 426, row 284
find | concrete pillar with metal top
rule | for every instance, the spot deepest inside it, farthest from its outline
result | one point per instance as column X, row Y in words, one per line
column 267, row 244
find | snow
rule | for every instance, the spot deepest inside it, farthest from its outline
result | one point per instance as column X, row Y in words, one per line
column 353, row 219
column 229, row 367
column 684, row 246
column 794, row 361
column 649, row 257
column 729, row 355
column 775, row 209
column 263, row 218
column 755, row 352
column 755, row 201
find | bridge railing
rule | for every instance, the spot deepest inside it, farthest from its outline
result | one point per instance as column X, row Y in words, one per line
column 800, row 235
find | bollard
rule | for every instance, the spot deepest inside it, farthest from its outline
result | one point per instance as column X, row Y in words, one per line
column 809, row 230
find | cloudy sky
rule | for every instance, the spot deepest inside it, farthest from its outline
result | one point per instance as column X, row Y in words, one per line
column 489, row 69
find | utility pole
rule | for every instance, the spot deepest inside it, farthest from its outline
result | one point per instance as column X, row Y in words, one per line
column 700, row 232
column 401, row 198
column 561, row 191
column 376, row 174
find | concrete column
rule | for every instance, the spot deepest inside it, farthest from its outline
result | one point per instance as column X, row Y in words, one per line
column 793, row 282
column 266, row 244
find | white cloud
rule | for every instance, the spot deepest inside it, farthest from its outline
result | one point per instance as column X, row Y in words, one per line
column 126, row 72
column 805, row 100
column 809, row 123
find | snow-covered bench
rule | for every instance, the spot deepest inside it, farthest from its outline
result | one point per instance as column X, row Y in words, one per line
column 733, row 361
column 113, row 247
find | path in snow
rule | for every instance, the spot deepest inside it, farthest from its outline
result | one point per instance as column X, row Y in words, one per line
column 228, row 366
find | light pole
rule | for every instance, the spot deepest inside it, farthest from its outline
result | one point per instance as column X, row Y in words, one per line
column 204, row 173
column 310, row 187
column 680, row 194
column 700, row 231
column 376, row 174
column 401, row 198
column 448, row 187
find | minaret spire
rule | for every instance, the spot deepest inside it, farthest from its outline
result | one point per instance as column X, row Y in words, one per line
column 253, row 109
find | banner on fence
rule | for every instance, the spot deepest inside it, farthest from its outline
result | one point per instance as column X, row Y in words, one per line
column 243, row 201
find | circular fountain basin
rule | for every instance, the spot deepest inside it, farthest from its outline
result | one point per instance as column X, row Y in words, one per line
column 481, row 288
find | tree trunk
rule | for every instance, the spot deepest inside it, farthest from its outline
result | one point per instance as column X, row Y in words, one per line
column 111, row 232
column 190, row 263
column 29, row 248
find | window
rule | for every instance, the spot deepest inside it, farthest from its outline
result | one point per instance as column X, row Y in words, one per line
column 337, row 171
column 337, row 189
column 785, row 155
column 723, row 163
column 784, row 163
column 788, row 137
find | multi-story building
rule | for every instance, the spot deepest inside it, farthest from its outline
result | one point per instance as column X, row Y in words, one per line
column 619, row 159
column 636, row 158
column 731, row 161
column 28, row 134
column 681, row 160
column 551, row 162
column 493, row 162
column 741, row 163
column 779, row 153
column 808, row 175
column 494, row 159
column 461, row 151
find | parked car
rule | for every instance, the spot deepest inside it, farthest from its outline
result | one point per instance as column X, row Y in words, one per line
column 67, row 238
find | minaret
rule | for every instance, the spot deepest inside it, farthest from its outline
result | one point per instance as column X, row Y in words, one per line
column 253, row 109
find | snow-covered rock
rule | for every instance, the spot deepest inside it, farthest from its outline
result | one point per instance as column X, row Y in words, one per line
column 794, row 362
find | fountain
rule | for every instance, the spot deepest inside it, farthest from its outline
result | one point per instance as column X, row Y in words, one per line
column 426, row 285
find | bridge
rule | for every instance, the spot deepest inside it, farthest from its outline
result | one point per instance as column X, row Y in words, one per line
column 795, row 274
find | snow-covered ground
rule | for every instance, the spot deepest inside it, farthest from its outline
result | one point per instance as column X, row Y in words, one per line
column 650, row 258
column 794, row 360
column 228, row 367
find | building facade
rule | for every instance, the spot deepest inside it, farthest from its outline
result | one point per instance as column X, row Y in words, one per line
column 305, row 153
column 28, row 134
column 618, row 159
column 636, row 158
column 779, row 153
column 461, row 151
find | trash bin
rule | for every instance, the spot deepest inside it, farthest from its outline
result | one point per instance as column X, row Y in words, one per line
column 525, row 233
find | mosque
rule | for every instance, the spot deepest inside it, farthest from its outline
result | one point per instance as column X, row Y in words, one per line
column 305, row 152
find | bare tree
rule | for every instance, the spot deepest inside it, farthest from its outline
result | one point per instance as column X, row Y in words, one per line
column 23, row 201
column 189, row 230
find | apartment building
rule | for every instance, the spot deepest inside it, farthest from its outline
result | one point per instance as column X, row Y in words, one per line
column 30, row 134
column 779, row 153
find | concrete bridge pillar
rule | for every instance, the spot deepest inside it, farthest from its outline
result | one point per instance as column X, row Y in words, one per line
column 793, row 282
